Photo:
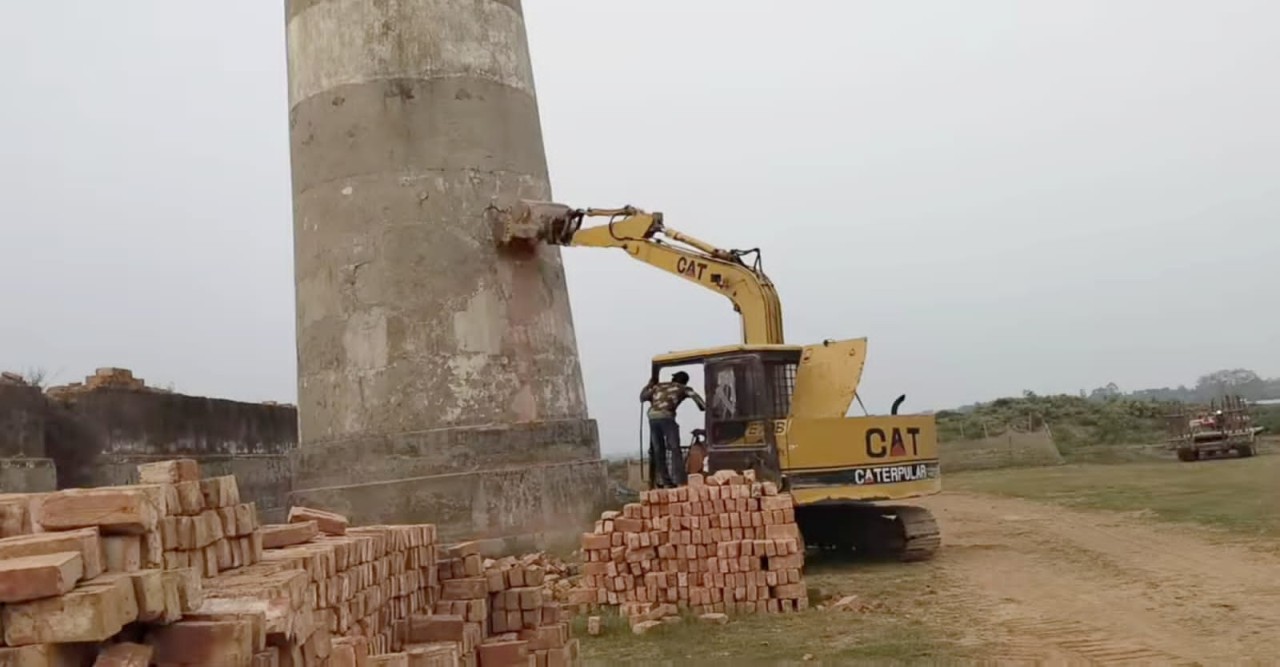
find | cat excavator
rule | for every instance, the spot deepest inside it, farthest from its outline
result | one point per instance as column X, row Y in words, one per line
column 772, row 407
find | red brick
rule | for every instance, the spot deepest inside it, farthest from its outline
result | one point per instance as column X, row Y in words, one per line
column 169, row 472
column 329, row 523
column 464, row 589
column 275, row 536
column 123, row 553
column 190, row 498
column 86, row 541
column 35, row 577
column 220, row 491
column 425, row 628
column 47, row 655
column 130, row 510
column 342, row 655
column 503, row 654
column 204, row 643
column 434, row 654
column 246, row 518
column 125, row 654
column 94, row 612
column 592, row 541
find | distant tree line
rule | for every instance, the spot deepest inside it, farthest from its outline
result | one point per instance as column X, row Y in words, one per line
column 1235, row 381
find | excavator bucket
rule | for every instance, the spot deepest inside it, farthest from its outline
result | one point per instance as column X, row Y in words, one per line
column 531, row 222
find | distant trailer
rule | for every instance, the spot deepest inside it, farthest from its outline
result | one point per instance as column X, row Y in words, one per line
column 1222, row 428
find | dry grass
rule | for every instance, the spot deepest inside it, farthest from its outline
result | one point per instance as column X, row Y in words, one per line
column 1240, row 495
column 896, row 628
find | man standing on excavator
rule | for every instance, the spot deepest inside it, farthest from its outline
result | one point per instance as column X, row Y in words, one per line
column 664, row 433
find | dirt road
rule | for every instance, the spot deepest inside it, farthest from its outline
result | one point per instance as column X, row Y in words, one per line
column 1049, row 585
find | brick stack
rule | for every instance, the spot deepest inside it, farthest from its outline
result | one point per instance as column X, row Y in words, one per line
column 723, row 544
column 332, row 596
column 494, row 614
column 84, row 567
column 177, row 571
column 206, row 527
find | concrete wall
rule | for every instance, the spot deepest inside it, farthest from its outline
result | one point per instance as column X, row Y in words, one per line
column 22, row 419
column 98, row 437
column 23, row 466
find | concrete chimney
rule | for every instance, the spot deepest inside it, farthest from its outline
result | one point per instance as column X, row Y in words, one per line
column 438, row 381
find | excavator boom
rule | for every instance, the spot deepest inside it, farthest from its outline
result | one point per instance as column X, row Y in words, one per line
column 643, row 236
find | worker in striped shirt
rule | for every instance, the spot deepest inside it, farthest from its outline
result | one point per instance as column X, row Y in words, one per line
column 664, row 433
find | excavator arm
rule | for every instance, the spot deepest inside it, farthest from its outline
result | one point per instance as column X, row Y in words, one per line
column 643, row 236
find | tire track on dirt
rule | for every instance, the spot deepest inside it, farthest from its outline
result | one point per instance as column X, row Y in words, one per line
column 1098, row 588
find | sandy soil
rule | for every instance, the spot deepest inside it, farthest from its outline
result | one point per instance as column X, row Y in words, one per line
column 1047, row 585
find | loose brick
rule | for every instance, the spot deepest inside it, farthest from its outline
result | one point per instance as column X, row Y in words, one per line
column 190, row 498
column 342, row 655
column 246, row 518
column 389, row 660
column 425, row 628
column 34, row 577
column 85, row 540
column 435, row 654
column 123, row 553
column 503, row 654
column 190, row 587
column 15, row 513
column 94, row 612
column 47, row 655
column 172, row 598
column 464, row 589
column 169, row 472
column 328, row 522
column 275, row 536
column 149, row 593
column 204, row 643
column 124, row 654
column 129, row 510
column 220, row 491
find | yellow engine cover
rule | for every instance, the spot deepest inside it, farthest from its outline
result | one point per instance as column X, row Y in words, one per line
column 859, row 458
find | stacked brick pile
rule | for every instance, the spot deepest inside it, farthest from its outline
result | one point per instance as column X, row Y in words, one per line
column 329, row 594
column 204, row 525
column 104, row 378
column 177, row 571
column 499, row 613
column 721, row 545
column 87, row 567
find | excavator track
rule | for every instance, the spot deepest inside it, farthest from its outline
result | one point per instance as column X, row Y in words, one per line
column 920, row 534
column 899, row 532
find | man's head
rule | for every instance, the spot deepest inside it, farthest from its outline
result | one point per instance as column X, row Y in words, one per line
column 680, row 377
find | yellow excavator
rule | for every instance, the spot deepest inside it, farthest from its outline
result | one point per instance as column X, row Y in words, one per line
column 778, row 409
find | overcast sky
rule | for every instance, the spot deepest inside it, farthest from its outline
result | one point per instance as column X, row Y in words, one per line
column 1000, row 195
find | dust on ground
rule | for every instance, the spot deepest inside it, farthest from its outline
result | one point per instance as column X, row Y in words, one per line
column 1044, row 584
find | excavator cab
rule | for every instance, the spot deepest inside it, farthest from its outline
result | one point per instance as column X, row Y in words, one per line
column 748, row 394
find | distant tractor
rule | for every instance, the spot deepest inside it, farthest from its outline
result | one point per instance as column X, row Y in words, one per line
column 1220, row 429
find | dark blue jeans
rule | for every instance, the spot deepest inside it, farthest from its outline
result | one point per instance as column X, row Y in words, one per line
column 664, row 450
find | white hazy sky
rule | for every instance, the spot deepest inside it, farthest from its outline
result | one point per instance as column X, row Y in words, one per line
column 1002, row 195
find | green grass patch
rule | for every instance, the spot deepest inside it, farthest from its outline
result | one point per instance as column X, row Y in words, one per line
column 1238, row 495
column 896, row 628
